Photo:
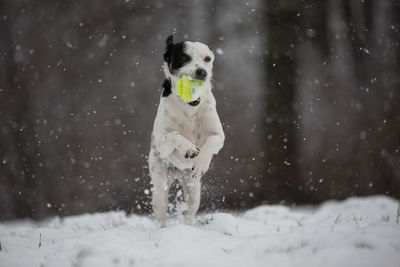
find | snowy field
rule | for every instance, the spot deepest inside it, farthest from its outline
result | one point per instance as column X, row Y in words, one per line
column 356, row 232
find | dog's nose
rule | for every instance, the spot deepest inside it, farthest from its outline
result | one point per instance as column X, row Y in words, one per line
column 201, row 74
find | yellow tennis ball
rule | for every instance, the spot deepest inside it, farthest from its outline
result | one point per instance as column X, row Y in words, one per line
column 189, row 89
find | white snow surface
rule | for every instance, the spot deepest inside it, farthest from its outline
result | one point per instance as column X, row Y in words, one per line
column 355, row 232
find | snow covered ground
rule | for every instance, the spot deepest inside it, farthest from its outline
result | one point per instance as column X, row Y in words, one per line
column 356, row 232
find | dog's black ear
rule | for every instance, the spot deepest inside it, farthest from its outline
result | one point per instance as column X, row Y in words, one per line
column 170, row 40
column 168, row 49
column 167, row 88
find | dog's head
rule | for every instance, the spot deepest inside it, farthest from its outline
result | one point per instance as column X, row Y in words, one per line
column 194, row 59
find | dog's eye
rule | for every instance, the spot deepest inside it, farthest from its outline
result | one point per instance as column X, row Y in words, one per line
column 184, row 58
column 207, row 59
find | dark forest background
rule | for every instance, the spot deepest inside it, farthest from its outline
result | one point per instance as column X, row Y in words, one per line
column 308, row 92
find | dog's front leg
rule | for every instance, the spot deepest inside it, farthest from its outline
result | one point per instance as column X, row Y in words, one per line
column 176, row 159
column 173, row 140
column 210, row 147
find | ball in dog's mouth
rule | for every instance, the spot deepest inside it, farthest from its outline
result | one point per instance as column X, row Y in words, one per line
column 190, row 90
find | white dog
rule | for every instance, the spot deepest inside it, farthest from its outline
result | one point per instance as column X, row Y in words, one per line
column 186, row 135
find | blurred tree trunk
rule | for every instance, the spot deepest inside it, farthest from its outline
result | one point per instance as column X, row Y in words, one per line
column 9, row 176
column 282, row 35
column 19, row 184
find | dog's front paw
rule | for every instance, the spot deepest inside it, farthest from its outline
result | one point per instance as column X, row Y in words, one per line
column 188, row 150
column 200, row 166
column 190, row 153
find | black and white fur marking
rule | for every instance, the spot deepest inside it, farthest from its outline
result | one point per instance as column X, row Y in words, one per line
column 185, row 135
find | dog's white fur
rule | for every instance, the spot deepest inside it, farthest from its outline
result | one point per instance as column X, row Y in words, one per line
column 182, row 130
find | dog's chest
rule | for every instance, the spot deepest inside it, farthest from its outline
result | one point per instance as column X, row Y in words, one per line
column 191, row 129
column 188, row 126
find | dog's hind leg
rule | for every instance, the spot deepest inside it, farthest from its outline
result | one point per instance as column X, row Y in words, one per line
column 191, row 188
column 161, row 184
column 160, row 198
